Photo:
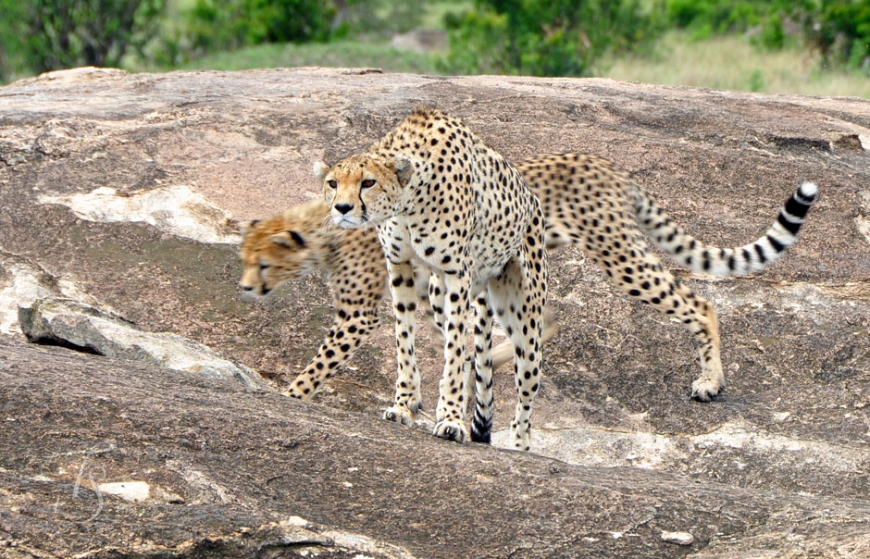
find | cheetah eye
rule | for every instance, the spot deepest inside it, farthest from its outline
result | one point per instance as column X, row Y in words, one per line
column 332, row 183
column 264, row 266
column 368, row 183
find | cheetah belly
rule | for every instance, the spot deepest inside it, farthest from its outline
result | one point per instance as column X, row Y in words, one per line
column 496, row 240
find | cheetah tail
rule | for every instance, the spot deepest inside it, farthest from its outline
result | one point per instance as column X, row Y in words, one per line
column 504, row 352
column 699, row 257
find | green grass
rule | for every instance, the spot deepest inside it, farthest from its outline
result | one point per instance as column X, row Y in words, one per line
column 732, row 63
column 343, row 53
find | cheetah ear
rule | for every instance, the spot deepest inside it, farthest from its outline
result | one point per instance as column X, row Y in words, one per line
column 403, row 167
column 288, row 239
column 321, row 169
column 246, row 227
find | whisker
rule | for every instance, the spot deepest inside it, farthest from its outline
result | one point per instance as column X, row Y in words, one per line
column 327, row 224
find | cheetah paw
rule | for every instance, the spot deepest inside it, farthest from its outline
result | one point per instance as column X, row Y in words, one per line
column 451, row 430
column 520, row 440
column 400, row 414
column 297, row 393
column 705, row 389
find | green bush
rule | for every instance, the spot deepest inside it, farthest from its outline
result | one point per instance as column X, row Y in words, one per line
column 216, row 25
column 705, row 18
column 382, row 17
column 43, row 35
column 546, row 37
column 720, row 16
column 13, row 30
column 839, row 29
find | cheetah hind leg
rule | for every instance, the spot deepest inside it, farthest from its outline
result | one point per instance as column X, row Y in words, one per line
column 712, row 380
column 647, row 280
column 520, row 309
column 504, row 352
column 481, row 423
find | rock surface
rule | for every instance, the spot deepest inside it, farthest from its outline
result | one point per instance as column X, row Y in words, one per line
column 54, row 321
column 119, row 191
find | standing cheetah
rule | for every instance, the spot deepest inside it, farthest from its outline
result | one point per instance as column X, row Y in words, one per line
column 569, row 187
column 443, row 199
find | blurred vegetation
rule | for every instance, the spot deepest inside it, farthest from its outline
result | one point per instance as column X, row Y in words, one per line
column 547, row 37
column 211, row 26
column 528, row 37
column 42, row 35
column 838, row 29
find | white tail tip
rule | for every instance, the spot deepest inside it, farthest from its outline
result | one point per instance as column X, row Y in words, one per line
column 809, row 190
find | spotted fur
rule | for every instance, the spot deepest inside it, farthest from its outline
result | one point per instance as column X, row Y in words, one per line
column 291, row 245
column 568, row 186
column 443, row 199
column 587, row 201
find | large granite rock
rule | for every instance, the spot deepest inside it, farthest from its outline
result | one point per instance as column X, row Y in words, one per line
column 119, row 192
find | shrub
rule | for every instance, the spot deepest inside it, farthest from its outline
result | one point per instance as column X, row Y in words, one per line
column 43, row 35
column 546, row 37
column 839, row 29
column 215, row 25
column 720, row 16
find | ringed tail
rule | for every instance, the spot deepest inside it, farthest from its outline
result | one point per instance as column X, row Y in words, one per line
column 700, row 257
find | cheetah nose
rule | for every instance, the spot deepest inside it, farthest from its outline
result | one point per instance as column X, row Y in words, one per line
column 343, row 208
column 246, row 287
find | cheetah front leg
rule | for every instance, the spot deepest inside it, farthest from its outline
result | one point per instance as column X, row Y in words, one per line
column 350, row 329
column 407, row 402
column 450, row 414
column 436, row 305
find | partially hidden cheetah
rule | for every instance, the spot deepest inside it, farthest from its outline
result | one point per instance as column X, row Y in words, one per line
column 290, row 245
column 444, row 200
column 297, row 242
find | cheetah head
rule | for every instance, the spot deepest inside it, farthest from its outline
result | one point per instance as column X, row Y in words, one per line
column 363, row 189
column 284, row 247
